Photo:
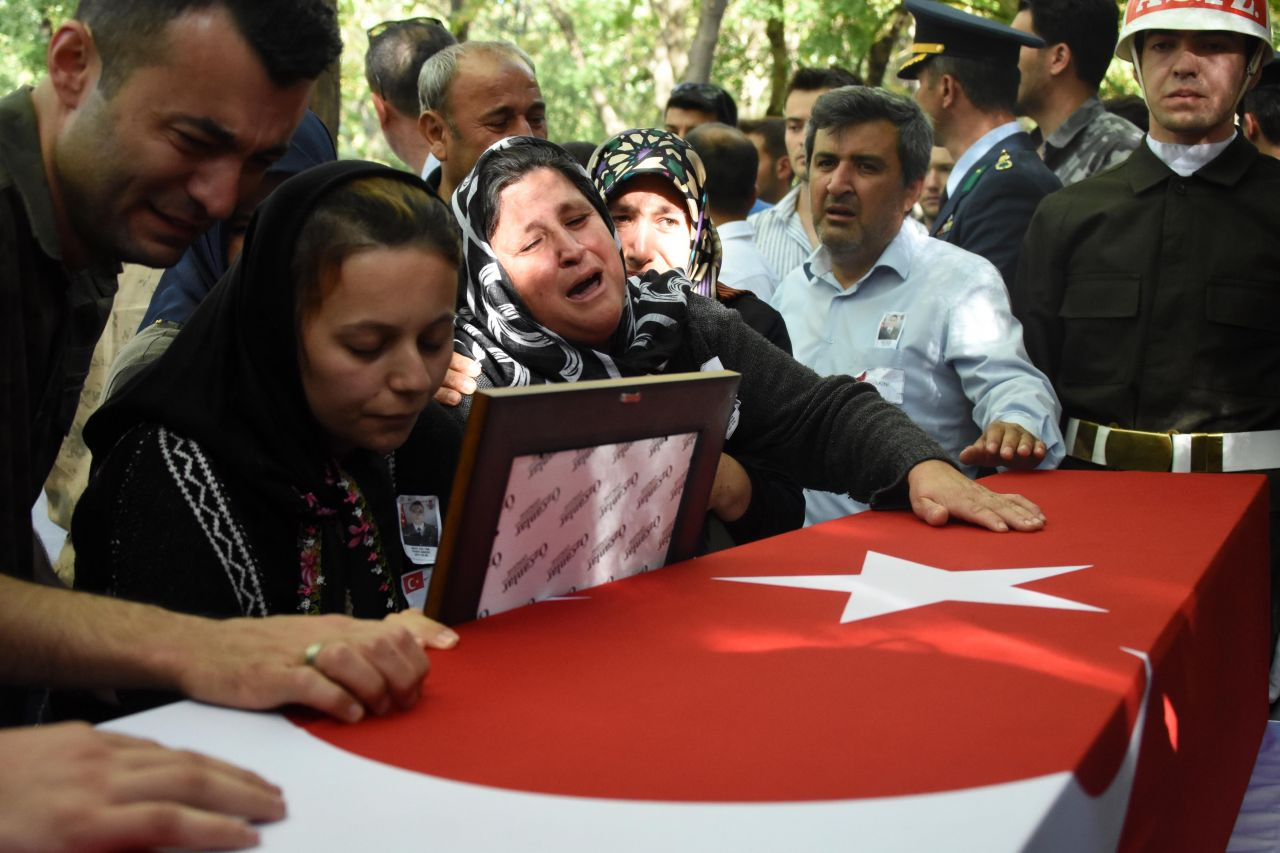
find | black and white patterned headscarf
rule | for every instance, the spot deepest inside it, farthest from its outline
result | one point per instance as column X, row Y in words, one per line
column 496, row 328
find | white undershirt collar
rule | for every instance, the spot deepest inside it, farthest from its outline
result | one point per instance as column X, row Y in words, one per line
column 1186, row 160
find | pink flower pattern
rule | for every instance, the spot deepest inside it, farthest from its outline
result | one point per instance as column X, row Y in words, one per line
column 361, row 534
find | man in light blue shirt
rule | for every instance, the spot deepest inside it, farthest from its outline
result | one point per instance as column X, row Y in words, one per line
column 924, row 321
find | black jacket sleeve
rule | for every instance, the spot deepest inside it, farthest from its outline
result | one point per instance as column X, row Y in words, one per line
column 762, row 317
column 777, row 500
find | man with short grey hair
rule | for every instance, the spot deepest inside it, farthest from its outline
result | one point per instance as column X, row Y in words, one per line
column 924, row 321
column 473, row 94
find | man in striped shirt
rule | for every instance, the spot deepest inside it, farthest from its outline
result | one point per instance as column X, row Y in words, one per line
column 784, row 232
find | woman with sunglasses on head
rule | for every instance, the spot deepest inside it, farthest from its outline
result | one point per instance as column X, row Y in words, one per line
column 691, row 104
column 547, row 299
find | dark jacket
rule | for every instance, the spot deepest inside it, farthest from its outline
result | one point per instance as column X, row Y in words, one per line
column 992, row 206
column 831, row 433
column 1152, row 301
column 50, row 321
column 216, row 489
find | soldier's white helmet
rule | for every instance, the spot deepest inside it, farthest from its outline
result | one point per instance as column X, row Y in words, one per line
column 1247, row 17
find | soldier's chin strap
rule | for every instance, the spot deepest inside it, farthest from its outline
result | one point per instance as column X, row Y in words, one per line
column 1135, row 59
column 1250, row 69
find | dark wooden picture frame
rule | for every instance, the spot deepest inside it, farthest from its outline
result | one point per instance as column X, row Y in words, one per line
column 508, row 423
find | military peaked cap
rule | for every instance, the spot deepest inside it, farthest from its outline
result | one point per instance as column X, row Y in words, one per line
column 944, row 31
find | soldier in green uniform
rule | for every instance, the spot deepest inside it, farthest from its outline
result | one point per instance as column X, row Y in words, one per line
column 1150, row 293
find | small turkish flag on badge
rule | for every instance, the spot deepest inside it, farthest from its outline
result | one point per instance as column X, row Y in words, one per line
column 414, row 586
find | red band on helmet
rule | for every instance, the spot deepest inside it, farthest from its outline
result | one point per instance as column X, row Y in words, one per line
column 1254, row 10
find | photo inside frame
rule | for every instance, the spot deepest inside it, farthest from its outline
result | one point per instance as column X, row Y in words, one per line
column 565, row 486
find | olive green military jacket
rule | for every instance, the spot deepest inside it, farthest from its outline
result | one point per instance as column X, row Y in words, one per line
column 1152, row 301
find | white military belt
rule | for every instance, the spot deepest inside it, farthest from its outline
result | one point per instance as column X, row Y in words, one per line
column 1135, row 450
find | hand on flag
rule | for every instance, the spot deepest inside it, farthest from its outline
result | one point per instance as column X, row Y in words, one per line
column 70, row 787
column 335, row 664
column 939, row 492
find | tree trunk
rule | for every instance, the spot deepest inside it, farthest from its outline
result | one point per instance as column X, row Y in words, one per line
column 608, row 115
column 670, row 50
column 461, row 14
column 326, row 97
column 703, row 50
column 882, row 48
column 780, row 72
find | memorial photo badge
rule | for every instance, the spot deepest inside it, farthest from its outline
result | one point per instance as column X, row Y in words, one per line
column 419, row 527
column 890, row 330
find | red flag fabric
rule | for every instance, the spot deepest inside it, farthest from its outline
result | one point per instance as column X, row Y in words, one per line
column 874, row 657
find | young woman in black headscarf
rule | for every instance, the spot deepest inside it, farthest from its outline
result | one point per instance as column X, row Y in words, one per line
column 547, row 300
column 244, row 473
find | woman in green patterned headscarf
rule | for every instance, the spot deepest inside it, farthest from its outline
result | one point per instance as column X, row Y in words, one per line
column 660, row 162
column 655, row 186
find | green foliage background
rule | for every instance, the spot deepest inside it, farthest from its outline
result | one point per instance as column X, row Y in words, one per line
column 635, row 49
column 627, row 53
column 25, row 26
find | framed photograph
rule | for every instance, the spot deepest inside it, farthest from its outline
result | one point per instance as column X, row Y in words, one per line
column 566, row 486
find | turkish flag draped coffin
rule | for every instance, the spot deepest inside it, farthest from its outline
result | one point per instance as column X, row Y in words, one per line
column 875, row 657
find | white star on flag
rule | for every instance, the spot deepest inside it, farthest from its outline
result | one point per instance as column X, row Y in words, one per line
column 889, row 584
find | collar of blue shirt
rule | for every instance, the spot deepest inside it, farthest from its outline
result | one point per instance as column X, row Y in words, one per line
column 895, row 259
